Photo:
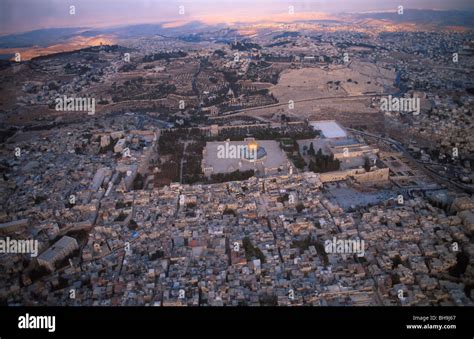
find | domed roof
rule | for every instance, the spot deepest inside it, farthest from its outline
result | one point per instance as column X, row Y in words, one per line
column 252, row 145
column 251, row 150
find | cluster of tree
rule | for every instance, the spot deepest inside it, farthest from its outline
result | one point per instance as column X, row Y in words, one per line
column 193, row 158
column 106, row 48
column 395, row 279
column 249, row 99
column 462, row 261
column 157, row 92
column 169, row 172
column 191, row 38
column 132, row 225
column 251, row 251
column 294, row 132
column 337, row 82
column 156, row 255
column 127, row 90
column 4, row 64
column 219, row 53
column 287, row 35
column 53, row 86
column 262, row 64
column 218, row 97
column 297, row 160
column 127, row 67
column 279, row 43
column 321, row 163
column 234, row 176
column 108, row 148
column 138, row 182
column 169, row 145
column 268, row 300
column 164, row 56
column 396, row 261
column 80, row 148
column 231, row 77
column 229, row 211
column 290, row 146
column 287, row 144
column 39, row 199
column 244, row 46
column 169, row 141
column 121, row 217
column 214, row 80
column 305, row 243
column 278, row 58
column 367, row 164
column 262, row 72
column 283, row 198
column 121, row 204
column 76, row 69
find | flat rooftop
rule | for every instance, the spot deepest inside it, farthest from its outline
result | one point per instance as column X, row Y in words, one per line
column 329, row 129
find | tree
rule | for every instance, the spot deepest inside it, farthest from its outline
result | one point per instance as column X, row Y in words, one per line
column 252, row 251
column 323, row 163
column 367, row 164
column 396, row 261
column 311, row 150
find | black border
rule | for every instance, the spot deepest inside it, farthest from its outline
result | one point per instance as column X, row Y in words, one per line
column 290, row 322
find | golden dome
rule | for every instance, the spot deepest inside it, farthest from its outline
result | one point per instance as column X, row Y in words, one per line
column 252, row 145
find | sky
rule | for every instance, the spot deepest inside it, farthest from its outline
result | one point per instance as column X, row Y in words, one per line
column 25, row 15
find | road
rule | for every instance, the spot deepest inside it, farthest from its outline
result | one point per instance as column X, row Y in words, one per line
column 246, row 110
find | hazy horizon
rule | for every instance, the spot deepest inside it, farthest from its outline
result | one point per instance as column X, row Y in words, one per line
column 27, row 15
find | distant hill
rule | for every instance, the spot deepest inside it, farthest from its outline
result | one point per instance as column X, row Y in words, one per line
column 40, row 37
column 439, row 18
column 52, row 36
